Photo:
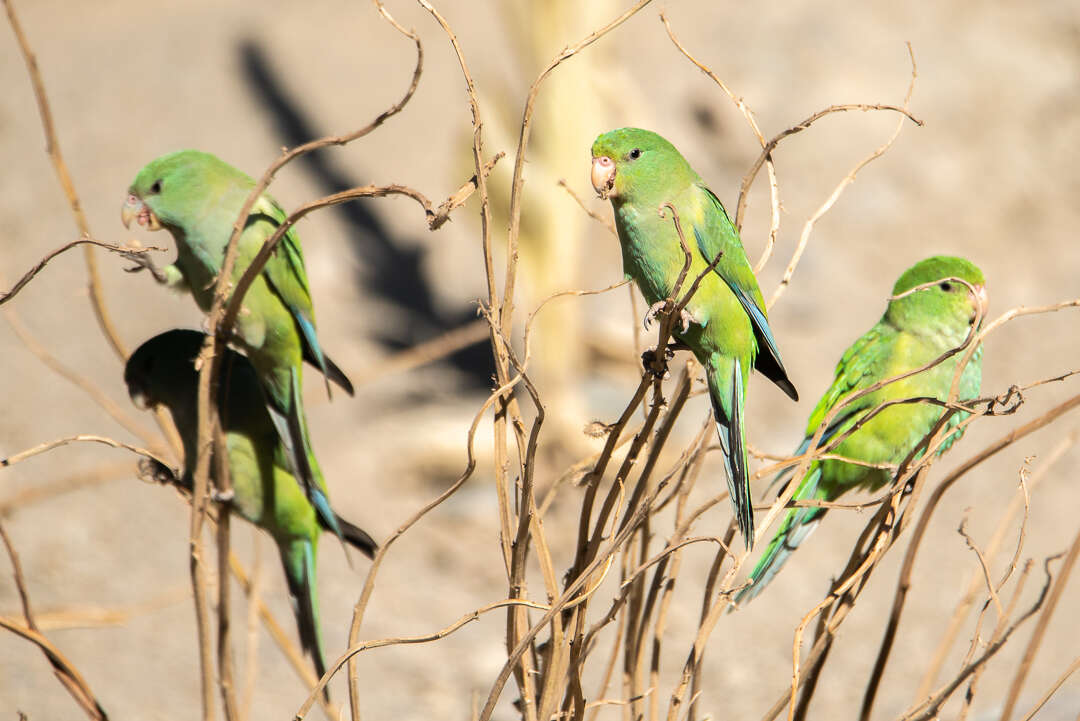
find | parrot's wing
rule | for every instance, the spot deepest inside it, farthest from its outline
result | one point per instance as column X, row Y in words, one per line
column 862, row 365
column 717, row 235
column 286, row 274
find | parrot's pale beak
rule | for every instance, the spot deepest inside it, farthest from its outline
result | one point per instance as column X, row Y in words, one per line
column 135, row 209
column 140, row 399
column 603, row 177
column 984, row 299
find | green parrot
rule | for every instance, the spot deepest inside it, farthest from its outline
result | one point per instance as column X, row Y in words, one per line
column 265, row 492
column 197, row 198
column 725, row 324
column 915, row 330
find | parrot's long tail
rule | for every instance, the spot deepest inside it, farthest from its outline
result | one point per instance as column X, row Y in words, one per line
column 292, row 430
column 298, row 558
column 728, row 397
column 358, row 537
column 286, row 415
column 798, row 523
column 332, row 371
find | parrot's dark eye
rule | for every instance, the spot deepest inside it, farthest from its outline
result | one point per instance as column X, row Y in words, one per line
column 635, row 153
column 156, row 187
column 946, row 286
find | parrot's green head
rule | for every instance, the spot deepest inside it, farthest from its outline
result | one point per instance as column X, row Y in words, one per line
column 163, row 367
column 172, row 191
column 631, row 165
column 946, row 304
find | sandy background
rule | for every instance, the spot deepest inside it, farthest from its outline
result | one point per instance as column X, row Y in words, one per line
column 992, row 176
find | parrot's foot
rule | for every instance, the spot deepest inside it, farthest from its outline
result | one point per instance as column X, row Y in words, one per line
column 660, row 308
column 658, row 366
column 141, row 258
column 157, row 472
column 685, row 319
column 223, row 497
column 654, row 311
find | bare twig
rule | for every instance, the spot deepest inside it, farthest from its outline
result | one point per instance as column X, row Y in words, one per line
column 83, row 438
column 1040, row 629
column 904, row 582
column 79, row 380
column 67, row 674
column 767, row 148
column 40, row 265
column 804, row 237
column 774, row 188
column 52, row 147
column 356, row 649
column 929, row 708
column 1053, row 689
column 968, row 598
column 603, row 220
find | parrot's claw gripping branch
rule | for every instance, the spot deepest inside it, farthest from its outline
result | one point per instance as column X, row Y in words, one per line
column 154, row 471
column 142, row 261
column 654, row 311
column 223, row 497
column 663, row 307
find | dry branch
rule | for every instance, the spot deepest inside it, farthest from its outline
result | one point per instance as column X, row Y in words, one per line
column 29, row 275
column 52, row 148
column 904, row 581
column 1040, row 629
column 68, row 675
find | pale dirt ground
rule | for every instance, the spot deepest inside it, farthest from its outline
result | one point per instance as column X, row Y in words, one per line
column 991, row 176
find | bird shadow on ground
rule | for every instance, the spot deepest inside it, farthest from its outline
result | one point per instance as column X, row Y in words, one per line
column 389, row 268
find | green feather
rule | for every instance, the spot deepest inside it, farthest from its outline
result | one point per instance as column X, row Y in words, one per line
column 730, row 331
column 265, row 491
column 914, row 331
column 197, row 198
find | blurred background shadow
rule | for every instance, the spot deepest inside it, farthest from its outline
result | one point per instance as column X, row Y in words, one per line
column 390, row 269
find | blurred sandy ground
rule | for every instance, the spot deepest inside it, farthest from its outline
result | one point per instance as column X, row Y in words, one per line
column 991, row 176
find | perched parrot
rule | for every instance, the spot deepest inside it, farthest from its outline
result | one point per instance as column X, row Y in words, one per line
column 162, row 371
column 197, row 198
column 915, row 330
column 725, row 323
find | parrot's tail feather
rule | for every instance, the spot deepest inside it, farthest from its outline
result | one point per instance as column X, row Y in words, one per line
column 331, row 370
column 312, row 486
column 288, row 442
column 358, row 537
column 312, row 350
column 731, row 431
column 298, row 558
column 297, row 433
column 292, row 431
column 797, row 525
column 334, row 373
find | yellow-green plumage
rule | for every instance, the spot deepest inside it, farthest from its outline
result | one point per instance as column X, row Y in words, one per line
column 265, row 491
column 915, row 330
column 197, row 198
column 728, row 327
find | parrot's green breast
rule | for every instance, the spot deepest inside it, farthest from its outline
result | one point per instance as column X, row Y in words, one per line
column 890, row 435
column 653, row 257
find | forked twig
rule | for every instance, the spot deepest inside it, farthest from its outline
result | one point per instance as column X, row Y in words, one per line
column 67, row 674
